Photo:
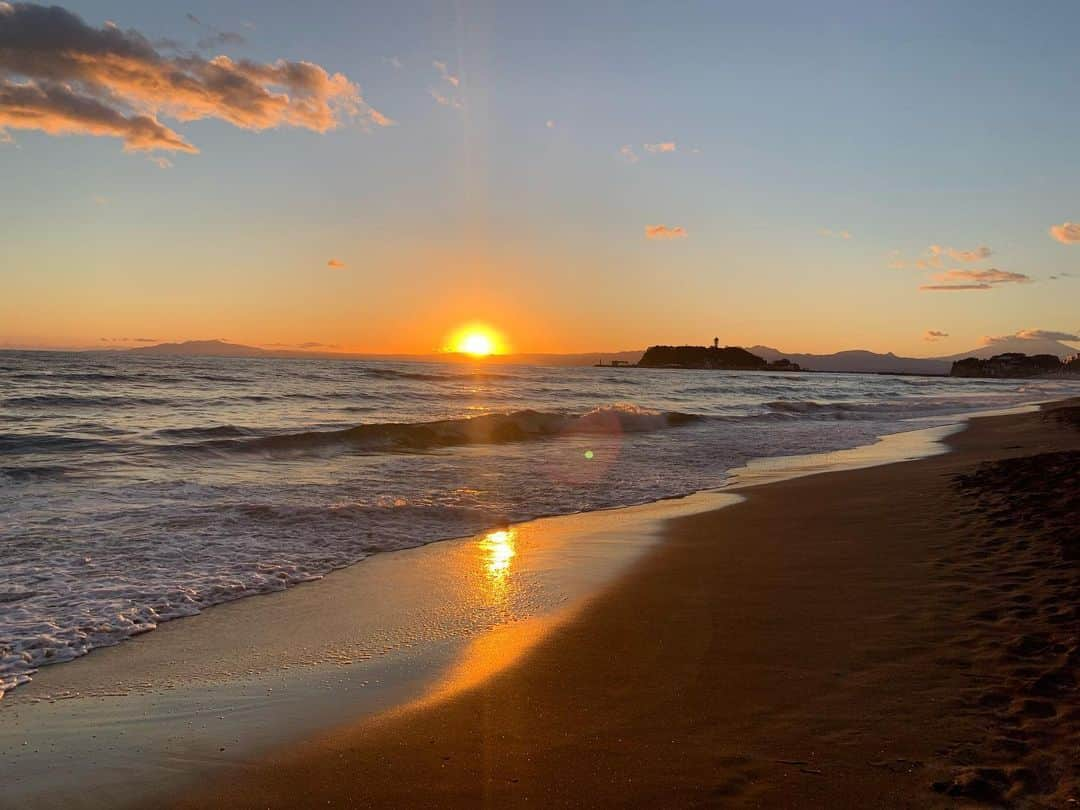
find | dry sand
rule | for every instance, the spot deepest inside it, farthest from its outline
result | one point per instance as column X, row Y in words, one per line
column 900, row 636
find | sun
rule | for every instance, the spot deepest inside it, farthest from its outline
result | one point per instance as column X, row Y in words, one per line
column 476, row 340
column 476, row 344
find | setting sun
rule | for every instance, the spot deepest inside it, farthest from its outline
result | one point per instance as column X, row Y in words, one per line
column 476, row 340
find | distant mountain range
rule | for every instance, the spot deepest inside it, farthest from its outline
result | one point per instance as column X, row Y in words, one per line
column 856, row 360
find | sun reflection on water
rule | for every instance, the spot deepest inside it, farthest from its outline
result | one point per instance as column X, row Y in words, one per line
column 498, row 550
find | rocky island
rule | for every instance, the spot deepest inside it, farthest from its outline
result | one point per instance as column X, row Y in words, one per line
column 730, row 358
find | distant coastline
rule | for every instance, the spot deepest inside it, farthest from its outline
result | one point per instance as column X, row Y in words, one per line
column 850, row 361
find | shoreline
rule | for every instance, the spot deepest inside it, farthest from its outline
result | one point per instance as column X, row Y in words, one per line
column 429, row 677
column 854, row 639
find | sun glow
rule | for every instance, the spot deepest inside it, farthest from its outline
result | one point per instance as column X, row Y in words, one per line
column 476, row 340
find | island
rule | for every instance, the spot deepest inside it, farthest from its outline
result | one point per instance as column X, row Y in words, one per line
column 728, row 358
column 1017, row 365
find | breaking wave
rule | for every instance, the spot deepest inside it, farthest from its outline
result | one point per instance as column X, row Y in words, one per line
column 516, row 426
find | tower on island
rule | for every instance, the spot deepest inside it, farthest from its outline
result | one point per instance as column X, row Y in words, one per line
column 716, row 343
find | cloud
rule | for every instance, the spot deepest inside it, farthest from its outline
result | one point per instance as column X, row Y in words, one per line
column 1067, row 233
column 933, row 335
column 445, row 73
column 446, row 101
column 976, row 255
column 549, row 124
column 61, row 76
column 947, row 287
column 337, row 264
column 659, row 148
column 393, row 61
column 975, row 279
column 627, row 153
column 837, row 234
column 161, row 162
column 990, row 276
column 56, row 110
column 1032, row 334
column 100, row 199
column 665, row 232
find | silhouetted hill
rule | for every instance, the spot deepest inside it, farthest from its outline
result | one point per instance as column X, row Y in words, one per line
column 204, row 348
column 222, row 348
column 858, row 360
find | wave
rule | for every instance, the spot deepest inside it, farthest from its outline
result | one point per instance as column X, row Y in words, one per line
column 75, row 401
column 817, row 410
column 47, row 442
column 23, row 474
column 215, row 432
column 488, row 429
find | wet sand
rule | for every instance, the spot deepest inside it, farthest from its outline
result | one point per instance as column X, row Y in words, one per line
column 899, row 636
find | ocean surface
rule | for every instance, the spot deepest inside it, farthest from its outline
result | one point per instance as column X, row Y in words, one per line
column 136, row 489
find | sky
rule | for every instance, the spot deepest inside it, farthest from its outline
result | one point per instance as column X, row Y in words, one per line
column 579, row 176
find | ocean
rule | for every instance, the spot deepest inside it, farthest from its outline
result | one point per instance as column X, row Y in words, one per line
column 137, row 489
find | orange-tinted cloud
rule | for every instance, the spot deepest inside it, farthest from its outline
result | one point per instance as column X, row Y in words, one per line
column 336, row 264
column 665, row 232
column 933, row 335
column 445, row 100
column 62, row 76
column 1067, row 233
column 445, row 73
column 1033, row 334
column 55, row 109
column 626, row 152
column 990, row 276
column 976, row 255
column 659, row 148
column 946, row 287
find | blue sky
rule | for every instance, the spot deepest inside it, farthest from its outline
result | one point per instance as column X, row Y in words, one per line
column 903, row 126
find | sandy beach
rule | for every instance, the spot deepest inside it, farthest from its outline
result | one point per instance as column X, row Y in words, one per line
column 900, row 636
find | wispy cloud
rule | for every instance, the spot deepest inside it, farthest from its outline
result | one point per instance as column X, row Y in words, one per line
column 659, row 148
column 336, row 264
column 444, row 100
column 831, row 234
column 989, row 276
column 393, row 61
column 1067, row 233
column 549, row 124
column 61, row 76
column 665, row 232
column 975, row 279
column 1033, row 334
column 976, row 255
column 627, row 153
column 444, row 71
column 933, row 335
column 954, row 287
